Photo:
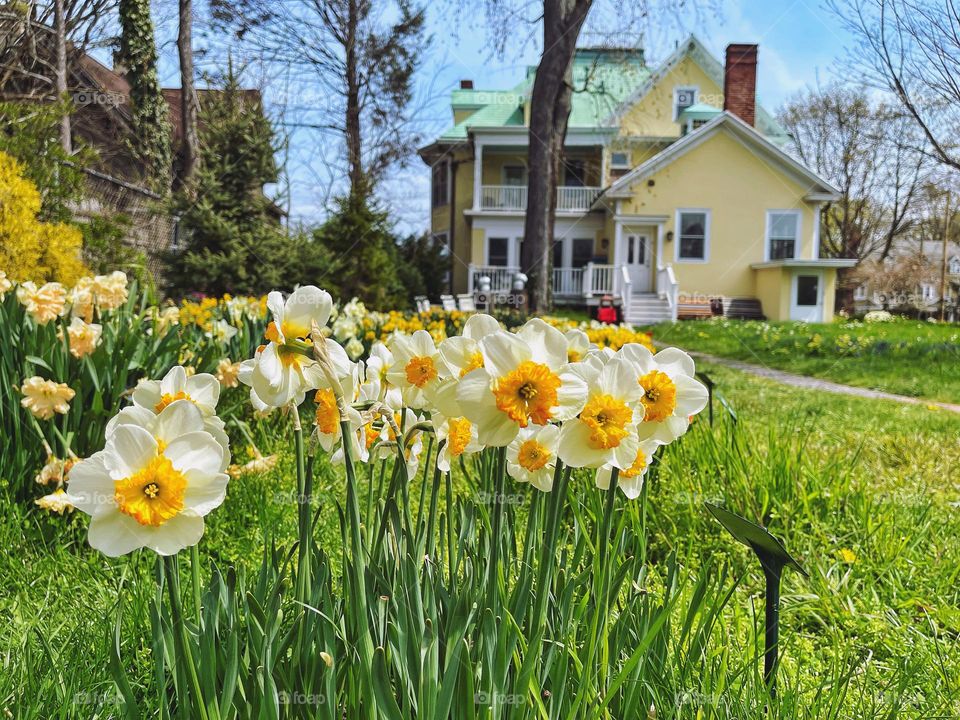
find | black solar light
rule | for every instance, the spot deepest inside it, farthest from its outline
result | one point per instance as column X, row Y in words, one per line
column 773, row 558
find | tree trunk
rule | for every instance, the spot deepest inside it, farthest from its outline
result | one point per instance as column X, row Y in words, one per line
column 190, row 149
column 60, row 29
column 352, row 125
column 549, row 111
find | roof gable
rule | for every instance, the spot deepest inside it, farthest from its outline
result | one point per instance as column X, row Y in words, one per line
column 746, row 135
column 694, row 50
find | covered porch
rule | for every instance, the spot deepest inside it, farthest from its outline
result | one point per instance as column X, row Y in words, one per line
column 585, row 284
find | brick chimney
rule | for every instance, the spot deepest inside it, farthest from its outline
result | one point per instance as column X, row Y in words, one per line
column 740, row 82
column 466, row 84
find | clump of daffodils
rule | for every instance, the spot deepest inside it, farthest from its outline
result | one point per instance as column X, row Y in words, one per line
column 162, row 470
column 544, row 395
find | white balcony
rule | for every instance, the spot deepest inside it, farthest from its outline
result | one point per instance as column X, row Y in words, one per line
column 514, row 198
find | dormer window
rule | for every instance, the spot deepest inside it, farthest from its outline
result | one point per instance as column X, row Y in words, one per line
column 954, row 268
column 619, row 164
column 683, row 97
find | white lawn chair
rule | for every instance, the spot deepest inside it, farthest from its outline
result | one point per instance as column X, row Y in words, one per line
column 448, row 303
column 422, row 303
column 466, row 303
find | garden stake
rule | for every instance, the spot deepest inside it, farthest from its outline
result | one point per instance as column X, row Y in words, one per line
column 773, row 559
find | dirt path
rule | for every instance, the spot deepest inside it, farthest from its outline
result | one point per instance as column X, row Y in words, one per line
column 812, row 383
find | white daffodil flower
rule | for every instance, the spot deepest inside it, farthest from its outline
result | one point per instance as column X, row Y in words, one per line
column 532, row 456
column 461, row 353
column 142, row 494
column 456, row 437
column 178, row 418
column 284, row 369
column 578, row 345
column 606, row 430
column 201, row 389
column 630, row 480
column 415, row 367
column 525, row 379
column 671, row 393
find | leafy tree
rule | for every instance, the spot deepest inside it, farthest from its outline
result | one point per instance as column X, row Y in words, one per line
column 30, row 133
column 424, row 267
column 232, row 239
column 361, row 254
column 151, row 122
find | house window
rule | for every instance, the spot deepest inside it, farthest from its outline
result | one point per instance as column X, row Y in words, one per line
column 439, row 191
column 954, row 268
column 782, row 231
column 498, row 251
column 514, row 175
column 860, row 293
column 574, row 173
column 558, row 253
column 808, row 290
column 928, row 291
column 683, row 97
column 582, row 252
column 619, row 164
column 694, row 227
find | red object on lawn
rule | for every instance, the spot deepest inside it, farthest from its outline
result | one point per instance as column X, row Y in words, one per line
column 607, row 313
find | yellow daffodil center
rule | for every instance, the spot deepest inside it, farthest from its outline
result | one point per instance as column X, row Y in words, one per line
column 528, row 393
column 370, row 435
column 291, row 333
column 639, row 465
column 328, row 416
column 168, row 399
column 153, row 495
column 475, row 361
column 574, row 355
column 420, row 370
column 607, row 419
column 659, row 396
column 458, row 436
column 532, row 455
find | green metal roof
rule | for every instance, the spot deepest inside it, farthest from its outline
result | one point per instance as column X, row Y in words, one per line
column 602, row 79
column 700, row 111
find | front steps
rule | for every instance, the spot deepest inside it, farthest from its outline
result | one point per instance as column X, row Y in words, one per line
column 646, row 309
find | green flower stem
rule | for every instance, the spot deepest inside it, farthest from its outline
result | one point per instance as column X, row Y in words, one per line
column 195, row 576
column 354, row 574
column 598, row 625
column 180, row 636
column 303, row 553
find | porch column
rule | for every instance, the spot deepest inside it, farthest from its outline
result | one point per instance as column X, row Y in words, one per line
column 816, row 230
column 660, row 262
column 617, row 246
column 477, row 172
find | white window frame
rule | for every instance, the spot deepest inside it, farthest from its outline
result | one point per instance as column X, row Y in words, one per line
column 497, row 236
column 860, row 293
column 447, row 184
column 614, row 165
column 708, row 222
column 928, row 291
column 676, row 92
column 797, row 244
column 953, row 266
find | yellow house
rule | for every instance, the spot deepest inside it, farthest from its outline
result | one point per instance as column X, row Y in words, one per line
column 675, row 196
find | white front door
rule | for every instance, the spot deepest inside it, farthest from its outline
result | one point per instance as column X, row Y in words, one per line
column 637, row 258
column 806, row 297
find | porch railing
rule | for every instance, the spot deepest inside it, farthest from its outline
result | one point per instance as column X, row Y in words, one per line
column 567, row 281
column 514, row 197
column 668, row 287
column 501, row 277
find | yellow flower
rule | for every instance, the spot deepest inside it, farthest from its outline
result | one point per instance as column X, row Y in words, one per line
column 659, row 395
column 58, row 501
column 848, row 556
column 528, row 393
column 45, row 303
column 43, row 398
column 110, row 290
column 84, row 337
column 5, row 284
column 55, row 471
column 228, row 373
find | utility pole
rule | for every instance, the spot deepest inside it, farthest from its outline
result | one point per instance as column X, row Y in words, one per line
column 943, row 262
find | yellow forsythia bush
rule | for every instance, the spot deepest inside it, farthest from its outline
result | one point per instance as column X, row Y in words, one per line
column 29, row 248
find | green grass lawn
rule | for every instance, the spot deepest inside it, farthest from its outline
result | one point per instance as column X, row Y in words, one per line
column 905, row 357
column 863, row 492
